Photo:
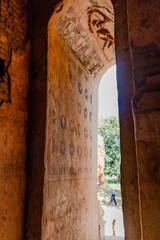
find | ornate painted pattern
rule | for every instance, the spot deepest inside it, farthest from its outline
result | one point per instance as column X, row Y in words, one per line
column 71, row 30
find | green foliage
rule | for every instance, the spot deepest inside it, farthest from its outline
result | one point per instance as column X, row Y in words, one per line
column 112, row 181
column 109, row 130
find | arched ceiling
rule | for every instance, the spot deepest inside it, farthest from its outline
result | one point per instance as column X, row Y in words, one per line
column 87, row 28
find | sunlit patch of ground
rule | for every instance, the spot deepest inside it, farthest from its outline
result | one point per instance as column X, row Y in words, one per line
column 112, row 212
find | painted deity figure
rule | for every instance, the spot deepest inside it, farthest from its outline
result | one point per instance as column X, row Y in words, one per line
column 101, row 24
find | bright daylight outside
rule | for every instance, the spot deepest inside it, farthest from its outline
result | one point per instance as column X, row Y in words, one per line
column 109, row 158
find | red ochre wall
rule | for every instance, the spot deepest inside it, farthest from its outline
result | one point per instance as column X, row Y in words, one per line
column 14, row 88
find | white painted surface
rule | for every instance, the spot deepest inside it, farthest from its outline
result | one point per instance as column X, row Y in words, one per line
column 111, row 213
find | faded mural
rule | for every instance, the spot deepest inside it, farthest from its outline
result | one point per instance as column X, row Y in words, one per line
column 71, row 143
column 68, row 151
column 101, row 23
column 72, row 31
column 70, row 155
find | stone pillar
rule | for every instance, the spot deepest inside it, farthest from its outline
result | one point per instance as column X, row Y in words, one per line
column 129, row 184
column 70, row 208
column 146, row 108
column 41, row 12
column 14, row 85
column 145, row 51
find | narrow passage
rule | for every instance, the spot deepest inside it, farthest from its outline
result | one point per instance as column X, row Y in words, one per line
column 109, row 158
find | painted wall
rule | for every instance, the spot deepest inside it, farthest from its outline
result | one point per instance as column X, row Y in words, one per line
column 70, row 202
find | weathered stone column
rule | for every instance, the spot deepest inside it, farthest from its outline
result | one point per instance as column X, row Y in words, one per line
column 146, row 108
column 129, row 183
column 70, row 208
column 144, row 24
column 14, row 85
column 41, row 13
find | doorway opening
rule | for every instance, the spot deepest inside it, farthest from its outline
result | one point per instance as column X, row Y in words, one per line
column 109, row 159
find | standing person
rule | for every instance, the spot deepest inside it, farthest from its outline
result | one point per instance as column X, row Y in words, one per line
column 112, row 198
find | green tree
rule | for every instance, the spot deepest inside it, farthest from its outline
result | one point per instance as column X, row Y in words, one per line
column 109, row 130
